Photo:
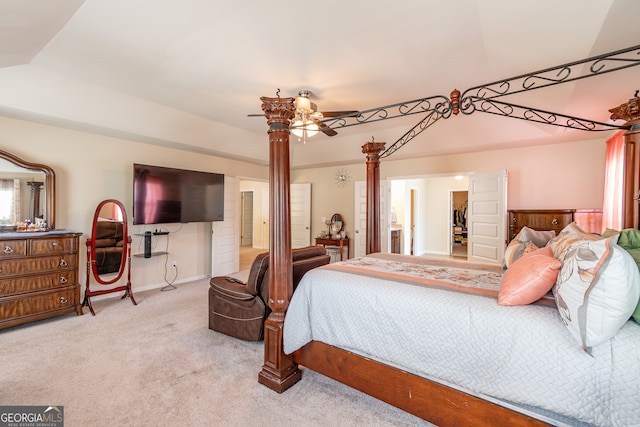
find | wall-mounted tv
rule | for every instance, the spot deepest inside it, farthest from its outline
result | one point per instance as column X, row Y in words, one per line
column 166, row 195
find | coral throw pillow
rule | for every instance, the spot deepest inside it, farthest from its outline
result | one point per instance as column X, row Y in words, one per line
column 529, row 278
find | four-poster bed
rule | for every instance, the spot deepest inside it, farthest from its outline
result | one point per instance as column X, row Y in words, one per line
column 422, row 397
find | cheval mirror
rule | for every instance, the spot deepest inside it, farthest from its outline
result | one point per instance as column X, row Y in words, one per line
column 108, row 251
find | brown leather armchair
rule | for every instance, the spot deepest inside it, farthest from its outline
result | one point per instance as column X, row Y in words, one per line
column 239, row 309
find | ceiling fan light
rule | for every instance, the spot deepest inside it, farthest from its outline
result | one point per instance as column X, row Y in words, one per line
column 297, row 129
column 303, row 104
column 312, row 128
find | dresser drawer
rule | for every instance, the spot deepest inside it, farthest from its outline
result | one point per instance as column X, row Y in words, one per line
column 38, row 302
column 25, row 284
column 52, row 246
column 541, row 222
column 11, row 267
column 549, row 219
column 12, row 248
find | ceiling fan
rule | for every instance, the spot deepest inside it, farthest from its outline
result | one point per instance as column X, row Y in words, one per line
column 306, row 121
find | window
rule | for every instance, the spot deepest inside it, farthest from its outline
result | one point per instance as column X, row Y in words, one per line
column 9, row 200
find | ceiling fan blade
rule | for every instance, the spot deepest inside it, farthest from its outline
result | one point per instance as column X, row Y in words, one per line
column 255, row 115
column 326, row 129
column 328, row 114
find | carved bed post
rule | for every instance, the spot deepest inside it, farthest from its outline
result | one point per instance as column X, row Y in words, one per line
column 279, row 372
column 630, row 112
column 373, row 150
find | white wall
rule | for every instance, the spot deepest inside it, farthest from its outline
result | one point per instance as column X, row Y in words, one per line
column 90, row 168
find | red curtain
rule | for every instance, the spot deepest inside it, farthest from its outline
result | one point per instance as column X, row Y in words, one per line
column 613, row 183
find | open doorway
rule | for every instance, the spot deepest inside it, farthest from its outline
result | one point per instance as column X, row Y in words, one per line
column 459, row 210
column 423, row 207
column 254, row 214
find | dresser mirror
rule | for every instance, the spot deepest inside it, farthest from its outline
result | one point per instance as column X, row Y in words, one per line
column 27, row 194
column 108, row 251
column 336, row 226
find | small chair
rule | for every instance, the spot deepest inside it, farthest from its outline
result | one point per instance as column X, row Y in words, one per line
column 239, row 309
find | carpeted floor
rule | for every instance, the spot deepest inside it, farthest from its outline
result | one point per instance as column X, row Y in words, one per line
column 158, row 364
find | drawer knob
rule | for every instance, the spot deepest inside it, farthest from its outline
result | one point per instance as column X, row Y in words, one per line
column 554, row 221
column 514, row 220
column 63, row 300
column 63, row 280
column 63, row 263
column 8, row 250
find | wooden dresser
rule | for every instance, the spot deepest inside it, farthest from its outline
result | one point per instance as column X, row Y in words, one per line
column 541, row 219
column 38, row 276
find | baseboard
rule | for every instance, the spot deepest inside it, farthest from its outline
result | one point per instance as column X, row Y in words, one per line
column 144, row 288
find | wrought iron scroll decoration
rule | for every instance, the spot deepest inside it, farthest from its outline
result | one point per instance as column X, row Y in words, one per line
column 505, row 109
column 571, row 71
column 440, row 105
column 420, row 127
column 482, row 98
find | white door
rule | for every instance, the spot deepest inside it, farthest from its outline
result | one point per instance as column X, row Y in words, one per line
column 225, row 235
column 265, row 219
column 360, row 238
column 385, row 217
column 360, row 220
column 300, row 215
column 487, row 217
column 246, row 218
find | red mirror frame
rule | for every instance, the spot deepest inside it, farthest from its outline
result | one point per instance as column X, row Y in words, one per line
column 125, row 262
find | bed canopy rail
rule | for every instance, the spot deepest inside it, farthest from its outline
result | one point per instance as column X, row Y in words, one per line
column 439, row 105
column 483, row 97
column 589, row 67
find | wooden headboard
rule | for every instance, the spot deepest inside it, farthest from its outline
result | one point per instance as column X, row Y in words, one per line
column 589, row 220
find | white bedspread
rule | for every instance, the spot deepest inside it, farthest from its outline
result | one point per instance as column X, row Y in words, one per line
column 519, row 354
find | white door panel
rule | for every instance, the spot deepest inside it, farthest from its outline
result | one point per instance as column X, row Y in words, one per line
column 487, row 216
column 266, row 224
column 246, row 213
column 300, row 215
column 360, row 238
column 360, row 220
column 385, row 216
column 225, row 238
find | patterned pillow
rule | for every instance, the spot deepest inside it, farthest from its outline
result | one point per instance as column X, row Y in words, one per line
column 516, row 250
column 529, row 278
column 597, row 290
column 568, row 236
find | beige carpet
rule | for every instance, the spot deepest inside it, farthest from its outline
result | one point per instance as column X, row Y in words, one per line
column 158, row 364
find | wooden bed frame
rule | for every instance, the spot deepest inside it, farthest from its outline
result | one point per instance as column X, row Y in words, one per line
column 426, row 399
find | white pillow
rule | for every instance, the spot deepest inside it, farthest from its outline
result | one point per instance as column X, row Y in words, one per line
column 597, row 290
column 540, row 238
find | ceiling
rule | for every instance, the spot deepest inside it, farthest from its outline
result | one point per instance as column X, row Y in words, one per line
column 185, row 74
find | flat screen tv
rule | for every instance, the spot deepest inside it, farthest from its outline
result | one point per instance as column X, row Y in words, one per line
column 166, row 195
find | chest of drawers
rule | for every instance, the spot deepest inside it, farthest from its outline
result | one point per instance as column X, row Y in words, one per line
column 541, row 219
column 38, row 276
